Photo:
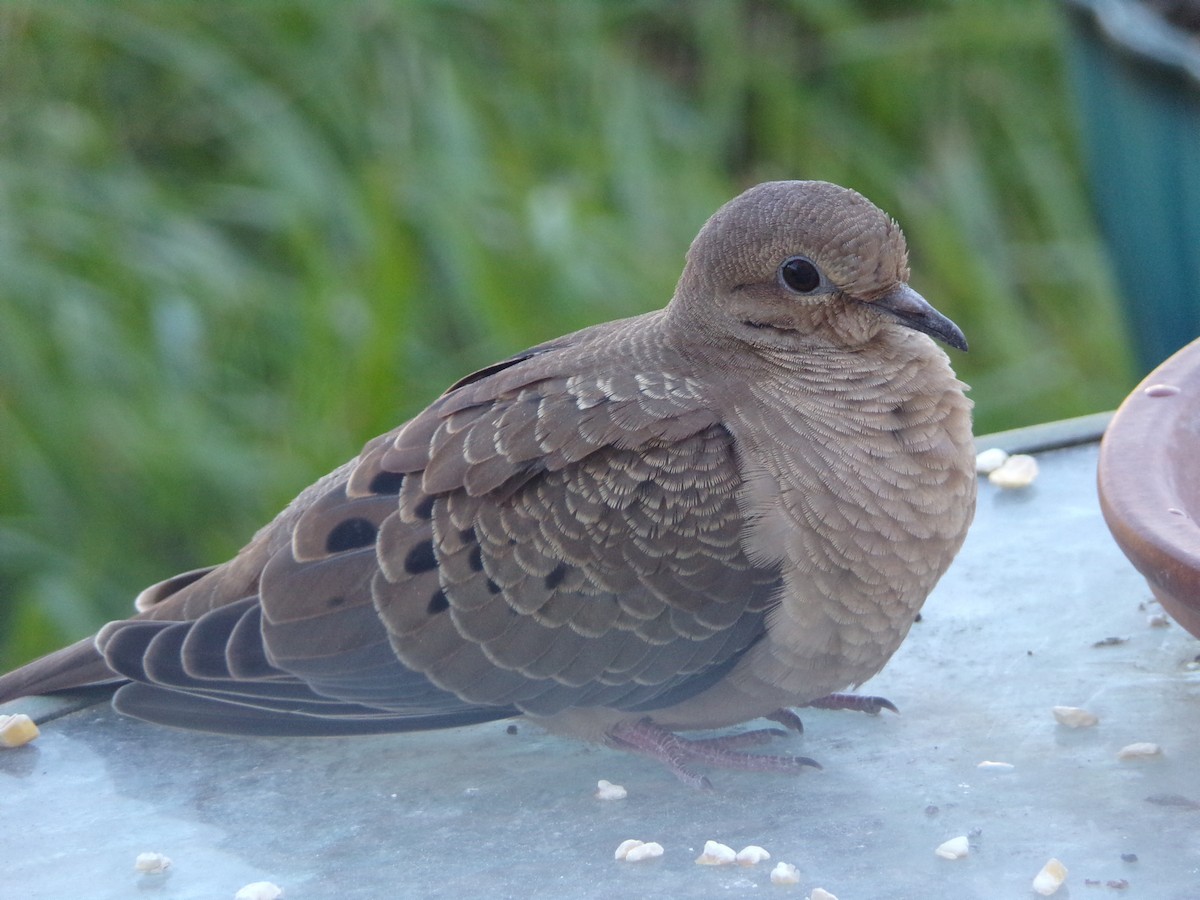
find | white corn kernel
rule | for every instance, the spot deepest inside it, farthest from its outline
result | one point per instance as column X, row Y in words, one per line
column 152, row 863
column 17, row 730
column 752, row 856
column 259, row 890
column 1017, row 472
column 716, row 855
column 1074, row 717
column 606, row 790
column 785, row 873
column 650, row 850
column 988, row 461
column 1140, row 750
column 955, row 848
column 1051, row 878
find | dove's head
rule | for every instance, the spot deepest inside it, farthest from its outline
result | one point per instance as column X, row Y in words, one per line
column 803, row 265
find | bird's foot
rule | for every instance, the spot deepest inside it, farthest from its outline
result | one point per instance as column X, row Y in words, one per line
column 675, row 752
column 857, row 702
column 870, row 705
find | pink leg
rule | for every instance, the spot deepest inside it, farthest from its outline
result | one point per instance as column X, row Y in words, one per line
column 665, row 746
column 741, row 739
column 675, row 752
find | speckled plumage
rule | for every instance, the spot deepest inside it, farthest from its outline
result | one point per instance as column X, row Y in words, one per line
column 697, row 516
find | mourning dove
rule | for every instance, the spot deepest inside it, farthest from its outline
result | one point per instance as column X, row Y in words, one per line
column 683, row 520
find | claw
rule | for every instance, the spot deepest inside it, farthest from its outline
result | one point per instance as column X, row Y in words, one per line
column 857, row 702
column 643, row 736
column 788, row 719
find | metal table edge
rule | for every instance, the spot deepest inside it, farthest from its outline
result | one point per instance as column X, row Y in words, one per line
column 1048, row 435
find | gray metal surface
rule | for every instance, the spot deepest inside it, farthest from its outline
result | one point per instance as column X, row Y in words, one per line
column 1008, row 634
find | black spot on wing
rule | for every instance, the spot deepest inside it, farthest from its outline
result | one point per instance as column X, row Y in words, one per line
column 350, row 535
column 555, row 576
column 424, row 509
column 438, row 603
column 420, row 559
column 386, row 483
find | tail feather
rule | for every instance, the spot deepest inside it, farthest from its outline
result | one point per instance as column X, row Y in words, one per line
column 71, row 667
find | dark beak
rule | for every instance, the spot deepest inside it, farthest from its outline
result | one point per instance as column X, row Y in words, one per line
column 912, row 310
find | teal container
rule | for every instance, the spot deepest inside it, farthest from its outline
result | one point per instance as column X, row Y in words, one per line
column 1137, row 80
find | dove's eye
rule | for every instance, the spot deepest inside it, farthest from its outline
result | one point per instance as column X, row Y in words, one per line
column 799, row 274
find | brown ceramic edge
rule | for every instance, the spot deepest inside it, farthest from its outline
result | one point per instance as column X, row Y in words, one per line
column 1164, row 547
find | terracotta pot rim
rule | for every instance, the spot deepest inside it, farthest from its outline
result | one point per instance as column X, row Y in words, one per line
column 1149, row 482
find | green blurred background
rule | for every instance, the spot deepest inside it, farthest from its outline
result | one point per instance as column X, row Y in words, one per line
column 238, row 240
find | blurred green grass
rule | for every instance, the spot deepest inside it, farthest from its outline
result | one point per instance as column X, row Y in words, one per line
column 237, row 240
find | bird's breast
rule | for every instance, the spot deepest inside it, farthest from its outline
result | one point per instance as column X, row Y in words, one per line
column 863, row 494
